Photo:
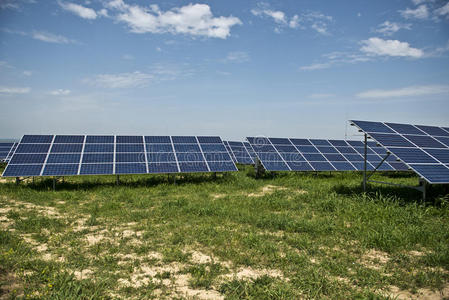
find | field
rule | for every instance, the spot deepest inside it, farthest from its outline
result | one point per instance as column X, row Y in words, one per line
column 283, row 236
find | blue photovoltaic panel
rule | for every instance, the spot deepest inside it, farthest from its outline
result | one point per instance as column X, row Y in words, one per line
column 28, row 159
column 63, row 158
column 218, row 156
column 64, row 155
column 320, row 142
column 98, row 158
column 36, row 139
column 299, row 166
column 100, row 139
column 184, row 139
column 6, row 150
column 159, row 148
column 391, row 140
column 60, row 169
column 22, row 170
column 128, row 139
column 157, row 140
column 130, row 157
column 433, row 130
column 160, row 157
column 276, row 154
column 378, row 127
column 301, row 142
column 213, row 148
column 100, row 148
column 66, row 148
column 434, row 173
column 405, row 128
column 32, row 148
column 239, row 152
column 192, row 167
column 422, row 148
column 187, row 148
column 424, row 141
column 69, row 139
column 209, row 139
column 129, row 148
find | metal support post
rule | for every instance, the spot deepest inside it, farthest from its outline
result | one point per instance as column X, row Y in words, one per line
column 117, row 180
column 54, row 183
column 365, row 163
column 17, row 180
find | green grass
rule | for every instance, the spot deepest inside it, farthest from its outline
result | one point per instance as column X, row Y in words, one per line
column 311, row 236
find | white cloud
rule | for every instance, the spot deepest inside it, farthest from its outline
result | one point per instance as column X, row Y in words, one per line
column 421, row 12
column 380, row 47
column 122, row 80
column 423, row 90
column 51, row 38
column 192, row 19
column 14, row 90
column 237, row 57
column 319, row 21
column 388, row 28
column 103, row 12
column 79, row 10
column 294, row 22
column 277, row 15
column 314, row 20
column 27, row 73
column 314, row 67
column 60, row 92
column 443, row 11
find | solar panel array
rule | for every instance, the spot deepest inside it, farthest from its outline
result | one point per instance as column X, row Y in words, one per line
column 425, row 149
column 6, row 150
column 63, row 155
column 241, row 152
column 292, row 154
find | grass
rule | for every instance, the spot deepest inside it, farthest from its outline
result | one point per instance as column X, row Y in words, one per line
column 283, row 236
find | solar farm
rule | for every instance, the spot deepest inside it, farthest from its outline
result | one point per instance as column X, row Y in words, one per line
column 199, row 217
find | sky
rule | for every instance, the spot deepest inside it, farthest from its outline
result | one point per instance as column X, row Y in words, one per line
column 292, row 68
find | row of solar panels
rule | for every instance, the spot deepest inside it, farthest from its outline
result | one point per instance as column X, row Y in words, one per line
column 425, row 149
column 63, row 155
column 292, row 154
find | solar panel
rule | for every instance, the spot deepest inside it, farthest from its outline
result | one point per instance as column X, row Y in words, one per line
column 292, row 154
column 64, row 155
column 239, row 152
column 425, row 149
column 6, row 150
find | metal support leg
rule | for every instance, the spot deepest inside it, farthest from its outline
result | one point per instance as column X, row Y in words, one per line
column 365, row 163
column 259, row 168
column 17, row 180
column 117, row 180
column 214, row 175
column 54, row 183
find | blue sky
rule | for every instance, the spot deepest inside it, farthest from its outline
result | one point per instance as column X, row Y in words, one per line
column 297, row 68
